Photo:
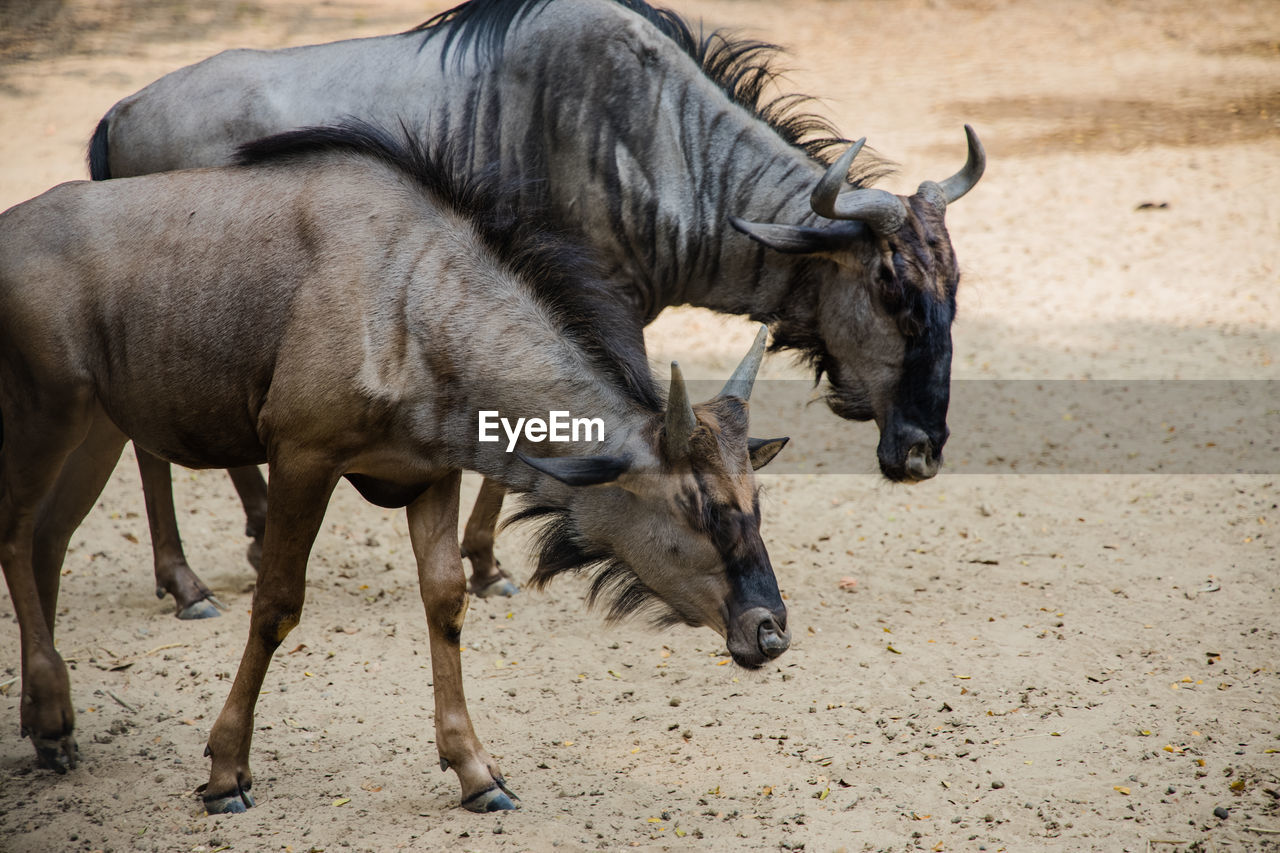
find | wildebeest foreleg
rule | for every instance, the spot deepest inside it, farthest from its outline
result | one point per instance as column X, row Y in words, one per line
column 433, row 525
column 252, row 490
column 174, row 576
column 298, row 494
column 487, row 576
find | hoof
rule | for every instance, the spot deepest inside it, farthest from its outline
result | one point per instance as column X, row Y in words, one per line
column 237, row 802
column 203, row 609
column 57, row 754
column 500, row 587
column 497, row 799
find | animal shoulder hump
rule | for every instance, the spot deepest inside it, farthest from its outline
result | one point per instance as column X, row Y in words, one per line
column 231, row 67
column 589, row 25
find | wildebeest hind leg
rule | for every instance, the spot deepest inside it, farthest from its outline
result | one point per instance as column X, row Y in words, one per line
column 433, row 522
column 192, row 599
column 83, row 477
column 487, row 577
column 299, row 491
column 33, row 453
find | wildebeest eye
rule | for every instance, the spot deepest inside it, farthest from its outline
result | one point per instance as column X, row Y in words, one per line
column 902, row 300
column 890, row 289
column 886, row 279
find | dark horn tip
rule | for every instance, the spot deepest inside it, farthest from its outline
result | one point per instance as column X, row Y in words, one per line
column 975, row 164
column 977, row 154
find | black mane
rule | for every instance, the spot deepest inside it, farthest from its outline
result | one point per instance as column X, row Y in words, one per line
column 742, row 68
column 560, row 272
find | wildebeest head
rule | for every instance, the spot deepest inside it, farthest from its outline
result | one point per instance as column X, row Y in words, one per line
column 677, row 527
column 882, row 325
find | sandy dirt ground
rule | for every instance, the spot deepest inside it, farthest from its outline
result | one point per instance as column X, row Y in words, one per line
column 1017, row 661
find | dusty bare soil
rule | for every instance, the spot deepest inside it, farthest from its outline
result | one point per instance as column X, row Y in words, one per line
column 1058, row 661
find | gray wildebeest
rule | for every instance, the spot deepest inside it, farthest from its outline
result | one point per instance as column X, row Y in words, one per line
column 653, row 145
column 347, row 309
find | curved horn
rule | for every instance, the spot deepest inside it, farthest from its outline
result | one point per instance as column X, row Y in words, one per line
column 739, row 384
column 962, row 181
column 681, row 421
column 883, row 211
column 823, row 197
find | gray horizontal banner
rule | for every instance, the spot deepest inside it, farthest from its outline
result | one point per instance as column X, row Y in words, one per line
column 1046, row 427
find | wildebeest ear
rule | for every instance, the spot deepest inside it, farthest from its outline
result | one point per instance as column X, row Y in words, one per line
column 579, row 470
column 762, row 450
column 800, row 239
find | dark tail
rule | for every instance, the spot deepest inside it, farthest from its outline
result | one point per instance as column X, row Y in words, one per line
column 99, row 168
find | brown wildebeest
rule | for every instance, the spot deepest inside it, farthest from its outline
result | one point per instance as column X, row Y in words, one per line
column 340, row 306
column 650, row 141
